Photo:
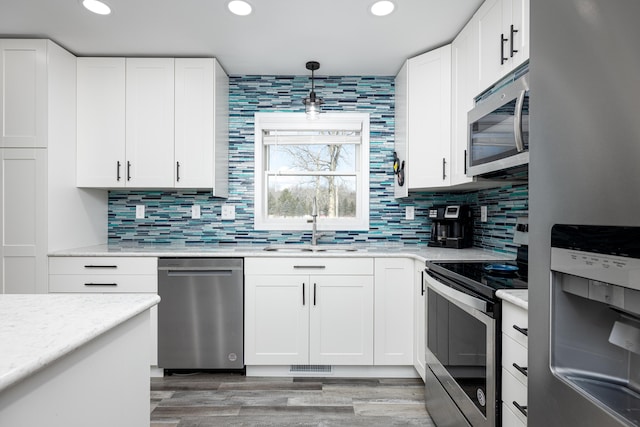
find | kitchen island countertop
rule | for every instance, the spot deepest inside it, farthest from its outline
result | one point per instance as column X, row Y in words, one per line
column 519, row 297
column 38, row 330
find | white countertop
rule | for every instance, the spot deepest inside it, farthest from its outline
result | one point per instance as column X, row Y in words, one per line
column 420, row 252
column 36, row 330
column 519, row 297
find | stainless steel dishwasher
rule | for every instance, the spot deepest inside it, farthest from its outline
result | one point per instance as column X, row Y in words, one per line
column 201, row 313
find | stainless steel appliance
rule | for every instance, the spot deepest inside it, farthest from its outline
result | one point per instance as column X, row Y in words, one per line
column 499, row 130
column 595, row 315
column 463, row 339
column 451, row 226
column 584, row 168
column 200, row 315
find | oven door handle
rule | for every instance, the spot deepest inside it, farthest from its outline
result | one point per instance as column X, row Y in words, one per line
column 456, row 295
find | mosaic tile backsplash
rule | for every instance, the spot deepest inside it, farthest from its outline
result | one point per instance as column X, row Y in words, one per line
column 168, row 213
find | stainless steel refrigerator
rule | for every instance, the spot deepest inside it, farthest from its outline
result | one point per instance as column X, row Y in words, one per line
column 584, row 163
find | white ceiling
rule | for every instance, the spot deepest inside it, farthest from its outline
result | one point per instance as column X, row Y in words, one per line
column 278, row 38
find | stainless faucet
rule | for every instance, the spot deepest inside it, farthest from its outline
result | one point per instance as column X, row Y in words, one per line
column 314, row 215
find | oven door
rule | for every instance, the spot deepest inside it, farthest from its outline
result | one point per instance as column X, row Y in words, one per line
column 460, row 357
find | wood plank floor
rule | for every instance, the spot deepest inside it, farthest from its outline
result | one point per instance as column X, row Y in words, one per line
column 205, row 399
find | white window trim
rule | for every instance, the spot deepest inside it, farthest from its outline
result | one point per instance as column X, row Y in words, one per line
column 325, row 121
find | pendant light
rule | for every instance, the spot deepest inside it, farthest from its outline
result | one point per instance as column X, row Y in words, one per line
column 312, row 103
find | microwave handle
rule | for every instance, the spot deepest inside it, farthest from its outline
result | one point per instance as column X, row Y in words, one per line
column 517, row 123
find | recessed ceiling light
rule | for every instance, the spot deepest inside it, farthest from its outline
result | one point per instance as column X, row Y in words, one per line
column 239, row 7
column 382, row 8
column 97, row 7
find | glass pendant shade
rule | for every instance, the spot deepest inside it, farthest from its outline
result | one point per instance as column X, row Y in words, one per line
column 312, row 104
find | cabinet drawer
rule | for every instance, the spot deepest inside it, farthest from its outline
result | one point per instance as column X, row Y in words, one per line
column 515, row 317
column 103, row 265
column 100, row 283
column 514, row 391
column 509, row 418
column 512, row 352
column 308, row 265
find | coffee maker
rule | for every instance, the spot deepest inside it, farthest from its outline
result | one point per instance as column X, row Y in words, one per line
column 451, row 226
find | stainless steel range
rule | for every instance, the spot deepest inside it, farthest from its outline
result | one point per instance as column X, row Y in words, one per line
column 462, row 386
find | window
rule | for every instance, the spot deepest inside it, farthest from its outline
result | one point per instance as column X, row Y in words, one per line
column 298, row 160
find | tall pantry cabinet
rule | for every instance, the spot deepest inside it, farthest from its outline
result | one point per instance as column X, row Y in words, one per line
column 41, row 210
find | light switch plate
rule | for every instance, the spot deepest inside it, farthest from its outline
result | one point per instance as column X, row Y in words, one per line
column 483, row 214
column 410, row 213
column 139, row 211
column 228, row 212
column 195, row 212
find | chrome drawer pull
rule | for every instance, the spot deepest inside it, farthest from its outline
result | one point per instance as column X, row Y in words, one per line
column 100, row 266
column 317, row 267
column 101, row 284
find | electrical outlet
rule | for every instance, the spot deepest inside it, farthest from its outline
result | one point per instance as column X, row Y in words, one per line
column 228, row 212
column 410, row 213
column 483, row 214
column 139, row 211
column 195, row 212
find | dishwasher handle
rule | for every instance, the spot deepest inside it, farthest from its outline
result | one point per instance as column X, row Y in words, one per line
column 179, row 272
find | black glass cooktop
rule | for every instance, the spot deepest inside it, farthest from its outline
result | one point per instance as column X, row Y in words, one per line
column 483, row 277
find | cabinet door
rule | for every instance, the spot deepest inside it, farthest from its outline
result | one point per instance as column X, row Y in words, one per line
column 150, row 122
column 23, row 93
column 341, row 320
column 101, row 122
column 394, row 322
column 23, row 221
column 518, row 13
column 490, row 41
column 429, row 108
column 276, row 320
column 419, row 291
column 464, row 79
column 194, row 123
column 401, row 126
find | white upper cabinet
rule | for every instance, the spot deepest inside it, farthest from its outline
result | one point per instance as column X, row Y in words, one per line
column 23, row 93
column 101, row 160
column 152, row 123
column 503, row 38
column 464, row 86
column 149, row 122
column 201, row 128
column 425, row 133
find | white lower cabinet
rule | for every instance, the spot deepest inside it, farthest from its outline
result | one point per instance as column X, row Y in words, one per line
column 419, row 340
column 308, row 311
column 108, row 275
column 394, row 311
column 514, row 365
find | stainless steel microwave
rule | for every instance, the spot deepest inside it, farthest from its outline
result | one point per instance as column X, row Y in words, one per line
column 499, row 130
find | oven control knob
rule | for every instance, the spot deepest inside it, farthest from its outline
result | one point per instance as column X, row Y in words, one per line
column 481, row 398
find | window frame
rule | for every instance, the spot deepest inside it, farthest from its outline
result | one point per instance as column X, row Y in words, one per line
column 299, row 121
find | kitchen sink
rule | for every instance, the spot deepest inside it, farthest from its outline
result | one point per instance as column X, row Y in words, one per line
column 296, row 248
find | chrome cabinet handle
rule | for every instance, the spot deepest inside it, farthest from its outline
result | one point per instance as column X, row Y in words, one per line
column 128, row 171
column 523, row 331
column 177, row 171
column 317, row 267
column 513, row 31
column 100, row 266
column 314, row 294
column 520, row 408
column 303, row 301
column 118, row 171
column 422, row 283
column 101, row 284
column 520, row 369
